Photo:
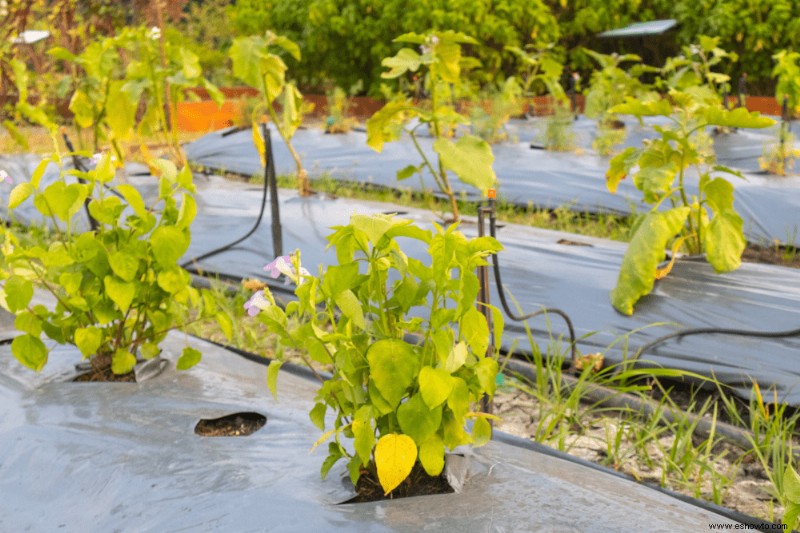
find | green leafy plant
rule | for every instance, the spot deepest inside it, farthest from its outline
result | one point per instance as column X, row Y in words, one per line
column 118, row 288
column 399, row 402
column 608, row 87
column 558, row 134
column 706, row 222
column 489, row 119
column 256, row 64
column 133, row 69
column 779, row 157
column 791, row 495
column 338, row 108
column 538, row 71
column 469, row 157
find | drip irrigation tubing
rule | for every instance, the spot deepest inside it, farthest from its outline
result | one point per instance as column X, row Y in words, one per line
column 501, row 291
column 716, row 331
column 268, row 173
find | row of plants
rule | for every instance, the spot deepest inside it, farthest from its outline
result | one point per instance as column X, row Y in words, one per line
column 117, row 285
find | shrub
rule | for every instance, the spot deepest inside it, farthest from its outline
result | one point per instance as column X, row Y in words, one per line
column 399, row 402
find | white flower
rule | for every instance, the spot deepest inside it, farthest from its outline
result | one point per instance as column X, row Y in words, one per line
column 155, row 33
column 5, row 178
column 257, row 303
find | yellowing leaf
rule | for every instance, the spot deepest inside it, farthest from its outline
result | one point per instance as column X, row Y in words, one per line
column 258, row 141
column 395, row 456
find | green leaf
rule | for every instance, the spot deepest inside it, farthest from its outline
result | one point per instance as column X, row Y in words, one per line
column 645, row 251
column 189, row 357
column 82, row 109
column 791, row 484
column 736, row 118
column 317, row 415
column 339, row 278
column 288, row 45
column 486, row 370
column 470, row 158
column 173, row 280
column 134, row 199
column 435, row 385
column 474, row 329
column 632, row 106
column 61, row 200
column 417, row 420
column 245, row 54
column 375, row 226
column 620, row 166
column 123, row 265
column 407, row 172
column 431, row 455
column 28, row 322
column 169, row 244
column 19, row 293
column 225, row 324
column 123, row 362
column 404, row 61
column 272, row 377
column 456, row 357
column 348, row 303
column 481, row 432
column 335, row 453
column 120, row 292
column 187, row 212
column 30, row 351
column 393, row 365
column 19, row 194
column 120, row 111
column 448, row 62
column 724, row 237
column 386, row 124
column 363, row 433
column 88, row 340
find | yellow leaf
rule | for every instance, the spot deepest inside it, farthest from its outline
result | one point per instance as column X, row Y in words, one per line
column 662, row 272
column 395, row 456
column 258, row 140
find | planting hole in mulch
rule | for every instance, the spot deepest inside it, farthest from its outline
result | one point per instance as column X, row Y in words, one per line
column 233, row 425
column 418, row 483
column 98, row 375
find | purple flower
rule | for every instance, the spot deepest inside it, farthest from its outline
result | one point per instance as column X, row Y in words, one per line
column 280, row 265
column 257, row 303
column 283, row 265
column 5, row 178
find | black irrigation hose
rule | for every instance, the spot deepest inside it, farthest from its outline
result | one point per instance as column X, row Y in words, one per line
column 80, row 166
column 268, row 169
column 501, row 291
column 718, row 331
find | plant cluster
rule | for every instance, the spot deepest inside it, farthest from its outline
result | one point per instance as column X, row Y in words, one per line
column 705, row 222
column 256, row 63
column 118, row 288
column 399, row 402
column 116, row 77
column 469, row 157
column 608, row 87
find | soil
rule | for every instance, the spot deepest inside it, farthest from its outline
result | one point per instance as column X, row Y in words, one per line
column 418, row 483
column 233, row 425
column 788, row 256
column 590, row 436
column 101, row 371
